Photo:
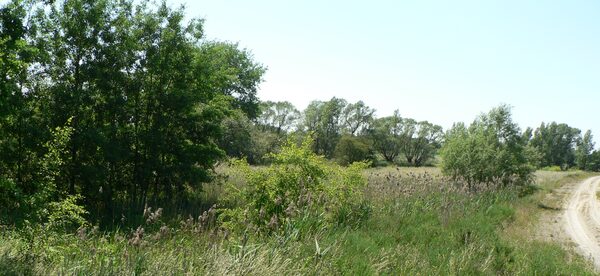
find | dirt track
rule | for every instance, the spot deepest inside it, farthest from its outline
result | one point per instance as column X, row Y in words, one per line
column 582, row 219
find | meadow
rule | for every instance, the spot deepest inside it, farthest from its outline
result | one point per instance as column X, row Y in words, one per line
column 418, row 223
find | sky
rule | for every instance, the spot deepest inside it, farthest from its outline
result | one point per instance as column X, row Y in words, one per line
column 441, row 61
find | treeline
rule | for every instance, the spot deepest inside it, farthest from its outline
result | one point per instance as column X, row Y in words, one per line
column 342, row 131
column 347, row 132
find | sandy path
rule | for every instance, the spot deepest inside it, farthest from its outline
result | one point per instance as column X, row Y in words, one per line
column 582, row 219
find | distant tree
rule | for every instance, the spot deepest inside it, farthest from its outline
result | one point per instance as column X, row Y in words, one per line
column 385, row 134
column 352, row 149
column 357, row 117
column 585, row 147
column 528, row 134
column 594, row 161
column 323, row 119
column 556, row 144
column 243, row 139
column 278, row 116
column 420, row 141
column 236, row 139
column 491, row 149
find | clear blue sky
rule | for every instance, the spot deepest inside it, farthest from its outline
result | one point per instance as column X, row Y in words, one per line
column 442, row 61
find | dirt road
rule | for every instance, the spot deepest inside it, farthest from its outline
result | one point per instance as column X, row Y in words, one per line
column 582, row 219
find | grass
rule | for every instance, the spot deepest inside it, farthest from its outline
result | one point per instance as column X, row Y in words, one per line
column 419, row 225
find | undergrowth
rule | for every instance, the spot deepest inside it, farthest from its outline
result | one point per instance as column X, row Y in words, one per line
column 413, row 222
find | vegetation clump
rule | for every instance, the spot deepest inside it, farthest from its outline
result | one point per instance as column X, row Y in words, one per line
column 490, row 150
column 297, row 186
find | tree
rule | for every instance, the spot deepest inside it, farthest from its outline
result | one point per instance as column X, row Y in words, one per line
column 420, row 141
column 19, row 130
column 323, row 119
column 585, row 147
column 278, row 116
column 146, row 92
column 352, row 149
column 357, row 117
column 243, row 139
column 490, row 150
column 556, row 144
column 385, row 134
column 594, row 161
column 233, row 72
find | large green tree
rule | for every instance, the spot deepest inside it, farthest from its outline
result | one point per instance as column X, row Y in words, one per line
column 490, row 150
column 585, row 147
column 323, row 119
column 144, row 91
column 357, row 118
column 420, row 141
column 385, row 134
column 556, row 144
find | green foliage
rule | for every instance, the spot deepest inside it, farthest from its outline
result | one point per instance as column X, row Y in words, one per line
column 323, row 120
column 297, row 184
column 432, row 231
column 583, row 152
column 556, row 144
column 352, row 149
column 594, row 161
column 66, row 215
column 394, row 135
column 490, row 150
column 357, row 118
column 385, row 136
column 243, row 139
column 10, row 199
column 232, row 72
column 145, row 90
column 277, row 117
column 552, row 169
column 420, row 141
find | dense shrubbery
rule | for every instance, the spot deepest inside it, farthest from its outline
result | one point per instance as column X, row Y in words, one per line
column 352, row 149
column 297, row 184
column 490, row 150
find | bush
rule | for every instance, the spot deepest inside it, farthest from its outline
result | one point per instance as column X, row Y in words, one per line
column 298, row 186
column 490, row 150
column 66, row 215
column 352, row 149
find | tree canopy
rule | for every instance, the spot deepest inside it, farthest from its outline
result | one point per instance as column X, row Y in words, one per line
column 144, row 91
column 490, row 150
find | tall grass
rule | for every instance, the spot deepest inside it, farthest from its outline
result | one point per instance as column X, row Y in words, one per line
column 419, row 224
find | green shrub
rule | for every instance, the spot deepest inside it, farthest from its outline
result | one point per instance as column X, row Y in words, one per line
column 491, row 150
column 297, row 184
column 66, row 215
column 352, row 149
